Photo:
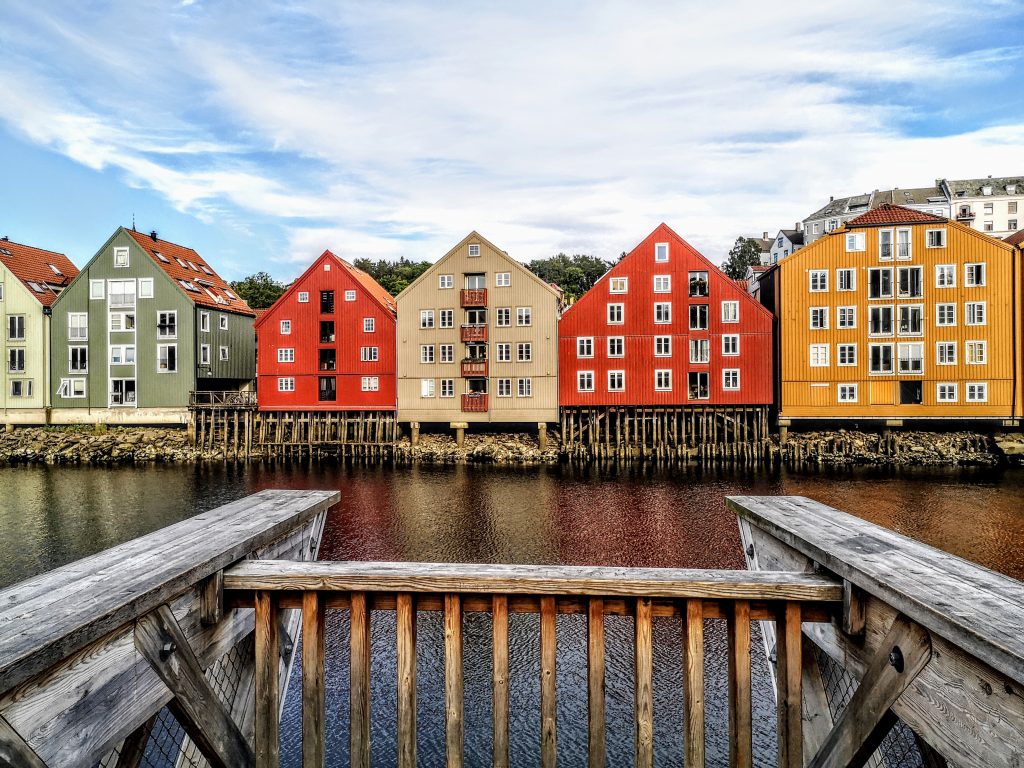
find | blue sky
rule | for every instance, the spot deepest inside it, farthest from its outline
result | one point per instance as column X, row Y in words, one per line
column 262, row 133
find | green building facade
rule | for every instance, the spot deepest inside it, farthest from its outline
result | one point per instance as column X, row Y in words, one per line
column 146, row 323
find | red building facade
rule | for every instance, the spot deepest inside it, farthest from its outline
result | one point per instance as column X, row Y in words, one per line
column 328, row 344
column 665, row 327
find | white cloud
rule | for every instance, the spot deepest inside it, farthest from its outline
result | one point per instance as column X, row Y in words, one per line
column 386, row 130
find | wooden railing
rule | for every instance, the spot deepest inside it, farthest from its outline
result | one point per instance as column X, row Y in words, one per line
column 474, row 402
column 409, row 588
column 473, row 297
column 227, row 399
column 473, row 333
column 474, row 367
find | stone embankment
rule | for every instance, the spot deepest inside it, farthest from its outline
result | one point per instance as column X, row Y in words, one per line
column 843, row 447
column 86, row 445
column 513, row 448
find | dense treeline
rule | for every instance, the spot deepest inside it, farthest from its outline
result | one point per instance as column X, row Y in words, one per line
column 575, row 274
column 393, row 276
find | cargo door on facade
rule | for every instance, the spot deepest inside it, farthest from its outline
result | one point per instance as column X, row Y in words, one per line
column 882, row 393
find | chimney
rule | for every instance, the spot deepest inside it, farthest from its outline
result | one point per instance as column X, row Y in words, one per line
column 799, row 226
column 831, row 198
column 764, row 237
column 5, row 238
column 153, row 235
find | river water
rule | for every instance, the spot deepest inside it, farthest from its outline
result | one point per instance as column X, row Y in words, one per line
column 546, row 515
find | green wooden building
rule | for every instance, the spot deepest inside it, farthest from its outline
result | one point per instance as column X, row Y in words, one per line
column 31, row 279
column 146, row 323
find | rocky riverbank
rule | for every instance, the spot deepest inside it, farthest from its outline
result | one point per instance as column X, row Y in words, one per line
column 131, row 445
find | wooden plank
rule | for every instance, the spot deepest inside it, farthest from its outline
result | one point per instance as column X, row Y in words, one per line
column 853, row 609
column 740, row 732
column 907, row 649
column 15, row 751
column 548, row 694
column 644, row 698
column 675, row 583
column 693, row 667
column 789, row 671
column 964, row 708
column 816, row 715
column 268, row 665
column 211, row 599
column 195, row 705
column 314, row 716
column 47, row 618
column 76, row 712
column 975, row 608
column 406, row 621
column 453, row 684
column 499, row 614
column 359, row 680
column 595, row 684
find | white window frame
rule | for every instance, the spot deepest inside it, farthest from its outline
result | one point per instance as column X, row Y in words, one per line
column 502, row 279
column 661, row 253
column 369, row 354
column 945, row 353
column 285, row 383
column 620, row 375
column 730, row 311
column 662, row 379
column 820, row 312
column 222, row 321
column 303, row 297
column 427, row 354
column 284, row 354
column 121, row 259
column 447, row 388
column 846, row 272
column 817, row 280
column 856, row 242
column 524, row 387
column 975, row 352
column 71, row 358
column 204, row 322
column 446, row 352
column 285, row 328
column 524, row 316
column 968, row 305
column 618, row 285
column 665, row 344
column 952, row 393
column 909, row 347
column 505, row 387
column 369, row 325
column 503, row 317
column 730, row 345
column 707, row 318
column 899, row 319
column 892, row 360
column 883, row 234
column 427, row 388
column 582, row 344
column 159, row 349
column 663, row 283
column 818, row 356
column 474, row 250
column 145, row 287
column 845, row 348
column 524, row 352
column 580, row 377
column 665, row 308
column 969, row 278
column 445, row 282
column 851, row 321
column 943, row 309
column 350, row 295
column 97, row 290
column 700, row 351
column 928, row 238
column 426, row 319
column 617, row 341
column 616, row 309
column 369, row 384
column 82, row 329
column 446, row 318
column 503, row 350
column 843, row 392
column 979, row 389
column 730, row 379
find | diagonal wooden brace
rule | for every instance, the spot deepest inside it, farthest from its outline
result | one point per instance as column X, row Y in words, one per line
column 904, row 652
column 198, row 709
column 15, row 751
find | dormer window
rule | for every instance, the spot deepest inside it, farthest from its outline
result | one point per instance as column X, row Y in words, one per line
column 986, row 190
column 1011, row 189
column 474, row 249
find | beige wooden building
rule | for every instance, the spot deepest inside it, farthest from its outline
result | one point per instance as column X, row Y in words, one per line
column 478, row 341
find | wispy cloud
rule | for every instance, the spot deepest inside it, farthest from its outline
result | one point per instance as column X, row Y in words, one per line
column 393, row 129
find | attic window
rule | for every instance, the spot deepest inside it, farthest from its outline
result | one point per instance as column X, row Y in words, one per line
column 205, row 283
column 188, row 286
column 193, row 267
column 205, row 269
column 162, row 258
column 56, row 271
column 180, row 262
column 36, row 287
column 986, row 190
column 5, row 252
column 474, row 249
column 120, row 257
column 231, row 295
column 1011, row 189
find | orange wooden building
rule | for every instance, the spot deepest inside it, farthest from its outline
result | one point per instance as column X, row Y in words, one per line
column 900, row 315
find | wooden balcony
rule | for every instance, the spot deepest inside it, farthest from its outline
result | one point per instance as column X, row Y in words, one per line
column 473, row 297
column 473, row 333
column 157, row 626
column 228, row 399
column 474, row 369
column 474, row 402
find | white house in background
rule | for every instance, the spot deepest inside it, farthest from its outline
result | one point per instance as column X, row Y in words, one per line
column 752, row 276
column 765, row 244
column 788, row 241
column 840, row 210
column 994, row 206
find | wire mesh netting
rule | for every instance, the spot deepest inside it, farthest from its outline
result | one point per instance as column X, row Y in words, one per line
column 899, row 748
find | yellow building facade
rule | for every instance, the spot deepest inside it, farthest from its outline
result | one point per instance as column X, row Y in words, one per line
column 899, row 315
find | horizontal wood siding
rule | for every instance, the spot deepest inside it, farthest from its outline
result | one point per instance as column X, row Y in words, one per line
column 811, row 392
column 588, row 317
column 304, row 338
column 525, row 291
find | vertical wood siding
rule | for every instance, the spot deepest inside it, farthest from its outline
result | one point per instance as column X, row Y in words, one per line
column 588, row 318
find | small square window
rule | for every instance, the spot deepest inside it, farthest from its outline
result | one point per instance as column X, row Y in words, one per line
column 446, row 281
column 474, row 249
column 303, row 297
column 286, row 327
column 855, row 242
column 350, row 295
column 120, row 257
column 661, row 252
column 618, row 285
column 369, row 325
column 503, row 279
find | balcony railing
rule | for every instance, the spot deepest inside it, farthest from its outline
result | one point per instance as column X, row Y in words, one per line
column 474, row 402
column 911, row 365
column 473, row 333
column 229, row 399
column 965, row 214
column 474, row 368
column 474, row 297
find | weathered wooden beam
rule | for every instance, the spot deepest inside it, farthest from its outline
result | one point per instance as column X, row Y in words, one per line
column 548, row 687
column 195, row 705
column 789, row 669
column 453, row 682
column 314, row 720
column 532, row 580
column 906, row 650
column 211, row 599
column 644, row 697
column 268, row 664
column 816, row 715
column 133, row 748
column 499, row 648
column 596, row 748
column 854, row 619
column 406, row 627
column 359, row 674
column 740, row 723
column 15, row 751
column 693, row 667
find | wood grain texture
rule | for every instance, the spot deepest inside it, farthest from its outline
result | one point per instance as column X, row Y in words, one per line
column 133, row 749
column 359, row 681
column 816, row 715
column 499, row 645
column 211, row 599
column 964, row 708
column 195, row 705
column 268, row 681
column 693, row 670
column 788, row 676
column 15, row 751
column 974, row 608
column 740, row 732
column 314, row 716
column 531, row 580
column 406, row 621
column 864, row 721
column 644, row 678
column 47, row 618
column 453, row 683
column 596, row 747
column 548, row 683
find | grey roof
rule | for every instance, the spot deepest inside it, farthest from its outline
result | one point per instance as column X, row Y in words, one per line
column 972, row 187
column 842, row 205
column 762, row 243
column 795, row 236
column 917, row 196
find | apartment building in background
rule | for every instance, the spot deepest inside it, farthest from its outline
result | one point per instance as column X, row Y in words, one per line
column 994, row 206
column 899, row 315
column 31, row 279
column 477, row 341
column 144, row 324
column 328, row 344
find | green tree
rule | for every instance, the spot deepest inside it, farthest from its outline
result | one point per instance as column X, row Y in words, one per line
column 746, row 252
column 393, row 276
column 259, row 290
column 575, row 274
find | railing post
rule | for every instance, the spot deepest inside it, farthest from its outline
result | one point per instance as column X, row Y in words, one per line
column 453, row 687
column 595, row 683
column 313, row 649
column 740, row 733
column 789, row 670
column 644, row 702
column 268, row 665
column 499, row 617
column 693, row 664
column 406, row 620
column 548, row 688
column 359, row 686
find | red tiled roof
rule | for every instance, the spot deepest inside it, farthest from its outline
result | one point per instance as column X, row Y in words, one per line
column 210, row 289
column 741, row 282
column 1017, row 238
column 375, row 289
column 758, row 268
column 887, row 213
column 32, row 267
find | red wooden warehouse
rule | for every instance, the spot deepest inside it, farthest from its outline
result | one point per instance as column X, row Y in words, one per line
column 328, row 344
column 665, row 327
